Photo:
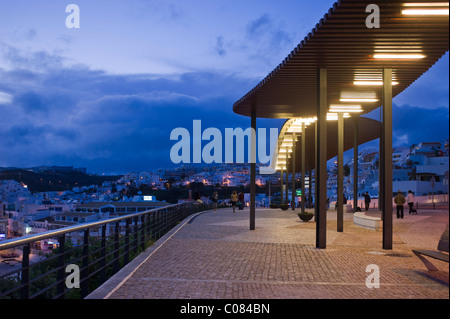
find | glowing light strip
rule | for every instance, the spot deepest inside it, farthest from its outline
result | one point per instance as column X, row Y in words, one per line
column 398, row 56
column 372, row 83
column 345, row 108
column 426, row 4
column 358, row 100
column 425, row 12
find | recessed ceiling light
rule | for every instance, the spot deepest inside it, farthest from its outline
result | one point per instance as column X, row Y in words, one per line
column 393, row 56
column 359, row 100
column 372, row 83
column 426, row 8
column 345, row 108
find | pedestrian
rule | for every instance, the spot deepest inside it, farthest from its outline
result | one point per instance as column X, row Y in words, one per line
column 241, row 201
column 214, row 199
column 233, row 200
column 399, row 200
column 367, row 200
column 410, row 201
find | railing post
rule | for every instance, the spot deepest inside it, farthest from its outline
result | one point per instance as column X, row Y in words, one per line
column 25, row 278
column 85, row 263
column 116, row 246
column 103, row 255
column 152, row 225
column 126, row 257
column 135, row 234
column 61, row 270
column 143, row 232
column 148, row 224
column 158, row 221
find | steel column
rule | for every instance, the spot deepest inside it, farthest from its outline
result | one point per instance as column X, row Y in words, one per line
column 315, row 171
column 281, row 184
column 381, row 161
column 355, row 164
column 253, row 170
column 286, row 189
column 321, row 159
column 340, row 169
column 303, row 166
column 387, row 155
column 293, row 172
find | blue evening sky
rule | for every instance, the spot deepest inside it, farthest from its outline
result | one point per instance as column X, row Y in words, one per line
column 107, row 95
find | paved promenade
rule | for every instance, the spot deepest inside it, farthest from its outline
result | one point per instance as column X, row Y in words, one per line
column 214, row 255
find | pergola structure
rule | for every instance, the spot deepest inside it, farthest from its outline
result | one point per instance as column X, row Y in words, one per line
column 295, row 151
column 356, row 59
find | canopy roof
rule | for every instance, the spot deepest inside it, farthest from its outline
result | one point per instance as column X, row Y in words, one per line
column 343, row 44
column 368, row 130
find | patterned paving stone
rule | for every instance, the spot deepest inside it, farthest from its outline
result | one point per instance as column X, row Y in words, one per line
column 216, row 256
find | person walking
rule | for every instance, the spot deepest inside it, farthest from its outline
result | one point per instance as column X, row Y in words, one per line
column 233, row 200
column 399, row 200
column 410, row 201
column 367, row 200
column 214, row 199
column 241, row 200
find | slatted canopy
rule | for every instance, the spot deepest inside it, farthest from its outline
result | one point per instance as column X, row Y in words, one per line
column 368, row 130
column 343, row 44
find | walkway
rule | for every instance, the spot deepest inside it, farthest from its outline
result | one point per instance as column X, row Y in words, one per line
column 214, row 255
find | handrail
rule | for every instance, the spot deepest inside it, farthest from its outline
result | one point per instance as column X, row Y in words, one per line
column 96, row 260
column 14, row 242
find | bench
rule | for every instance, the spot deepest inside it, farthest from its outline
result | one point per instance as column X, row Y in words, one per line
column 370, row 222
column 440, row 254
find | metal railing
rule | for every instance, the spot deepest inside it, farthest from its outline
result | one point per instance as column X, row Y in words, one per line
column 95, row 251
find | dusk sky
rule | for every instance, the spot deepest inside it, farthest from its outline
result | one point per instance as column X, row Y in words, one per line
column 107, row 95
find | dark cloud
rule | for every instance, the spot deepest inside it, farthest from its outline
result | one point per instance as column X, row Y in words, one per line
column 219, row 47
column 109, row 123
column 259, row 27
column 118, row 123
column 412, row 125
column 40, row 60
column 265, row 31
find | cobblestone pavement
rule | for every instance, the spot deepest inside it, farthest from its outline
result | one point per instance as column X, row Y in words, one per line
column 214, row 255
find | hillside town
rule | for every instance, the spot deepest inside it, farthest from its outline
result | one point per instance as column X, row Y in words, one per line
column 421, row 168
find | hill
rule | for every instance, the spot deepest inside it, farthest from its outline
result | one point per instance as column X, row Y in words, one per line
column 54, row 181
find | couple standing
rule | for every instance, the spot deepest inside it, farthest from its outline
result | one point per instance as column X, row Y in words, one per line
column 235, row 198
column 400, row 200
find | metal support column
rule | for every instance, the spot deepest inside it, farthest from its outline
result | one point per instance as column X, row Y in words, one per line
column 340, row 169
column 293, row 172
column 387, row 154
column 281, row 185
column 310, row 197
column 315, row 171
column 286, row 189
column 253, row 171
column 321, row 159
column 303, row 166
column 355, row 164
column 381, row 162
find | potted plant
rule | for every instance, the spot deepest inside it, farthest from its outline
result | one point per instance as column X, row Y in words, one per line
column 284, row 206
column 306, row 216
